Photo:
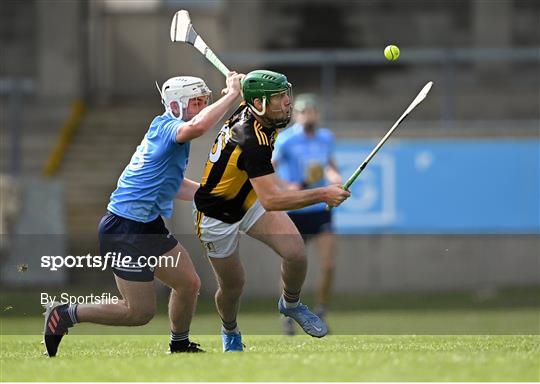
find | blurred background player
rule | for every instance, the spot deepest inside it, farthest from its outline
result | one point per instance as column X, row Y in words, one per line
column 133, row 225
column 239, row 192
column 304, row 159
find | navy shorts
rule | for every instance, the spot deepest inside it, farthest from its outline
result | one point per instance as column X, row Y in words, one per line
column 125, row 237
column 312, row 223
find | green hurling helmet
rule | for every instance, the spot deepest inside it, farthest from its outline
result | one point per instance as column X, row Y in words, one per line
column 306, row 101
column 262, row 84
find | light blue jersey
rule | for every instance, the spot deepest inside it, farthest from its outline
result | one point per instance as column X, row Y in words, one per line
column 302, row 159
column 147, row 187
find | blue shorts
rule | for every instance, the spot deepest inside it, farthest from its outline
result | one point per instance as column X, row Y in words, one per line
column 125, row 237
column 312, row 223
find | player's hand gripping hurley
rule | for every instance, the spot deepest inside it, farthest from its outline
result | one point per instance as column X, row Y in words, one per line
column 182, row 30
column 418, row 99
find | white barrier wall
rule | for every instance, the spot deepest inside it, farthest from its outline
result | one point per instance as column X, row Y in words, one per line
column 376, row 263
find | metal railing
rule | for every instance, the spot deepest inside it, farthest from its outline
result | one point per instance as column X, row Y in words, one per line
column 328, row 61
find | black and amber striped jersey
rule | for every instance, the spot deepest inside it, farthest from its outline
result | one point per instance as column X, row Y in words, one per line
column 242, row 150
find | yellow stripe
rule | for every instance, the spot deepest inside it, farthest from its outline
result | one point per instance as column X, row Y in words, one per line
column 55, row 158
column 264, row 137
column 261, row 136
column 206, row 173
column 199, row 221
column 232, row 178
column 257, row 132
column 250, row 200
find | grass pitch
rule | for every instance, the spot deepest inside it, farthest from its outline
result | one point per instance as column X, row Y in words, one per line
column 277, row 358
column 402, row 338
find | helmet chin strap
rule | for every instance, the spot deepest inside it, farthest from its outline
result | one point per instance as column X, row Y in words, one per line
column 273, row 123
column 181, row 110
column 278, row 124
column 170, row 111
column 256, row 111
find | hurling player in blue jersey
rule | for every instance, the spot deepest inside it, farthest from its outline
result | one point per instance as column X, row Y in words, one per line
column 133, row 225
column 304, row 159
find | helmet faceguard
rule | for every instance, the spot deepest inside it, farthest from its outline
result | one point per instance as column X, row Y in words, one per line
column 263, row 85
column 181, row 89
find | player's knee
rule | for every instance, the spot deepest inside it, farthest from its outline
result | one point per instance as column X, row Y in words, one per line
column 188, row 283
column 193, row 283
column 144, row 316
column 296, row 254
column 141, row 315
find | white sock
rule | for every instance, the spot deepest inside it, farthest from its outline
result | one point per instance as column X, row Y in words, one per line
column 235, row 330
column 290, row 305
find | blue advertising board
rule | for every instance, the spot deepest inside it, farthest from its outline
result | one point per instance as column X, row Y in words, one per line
column 447, row 186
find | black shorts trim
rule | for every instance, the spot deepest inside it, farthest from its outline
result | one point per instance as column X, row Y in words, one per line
column 125, row 237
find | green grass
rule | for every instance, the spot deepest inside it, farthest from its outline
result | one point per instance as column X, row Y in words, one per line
column 509, row 311
column 439, row 337
column 278, row 358
column 518, row 321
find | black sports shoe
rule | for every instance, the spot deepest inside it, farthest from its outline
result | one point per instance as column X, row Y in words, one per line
column 55, row 327
column 191, row 348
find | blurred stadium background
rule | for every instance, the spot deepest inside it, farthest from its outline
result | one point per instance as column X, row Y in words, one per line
column 451, row 203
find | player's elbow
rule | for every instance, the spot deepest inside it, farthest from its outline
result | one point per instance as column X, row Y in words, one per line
column 269, row 203
column 197, row 129
column 267, row 192
column 194, row 128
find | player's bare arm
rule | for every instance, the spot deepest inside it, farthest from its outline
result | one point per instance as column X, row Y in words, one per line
column 273, row 198
column 205, row 117
column 187, row 190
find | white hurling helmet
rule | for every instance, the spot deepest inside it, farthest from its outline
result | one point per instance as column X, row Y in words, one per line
column 181, row 89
